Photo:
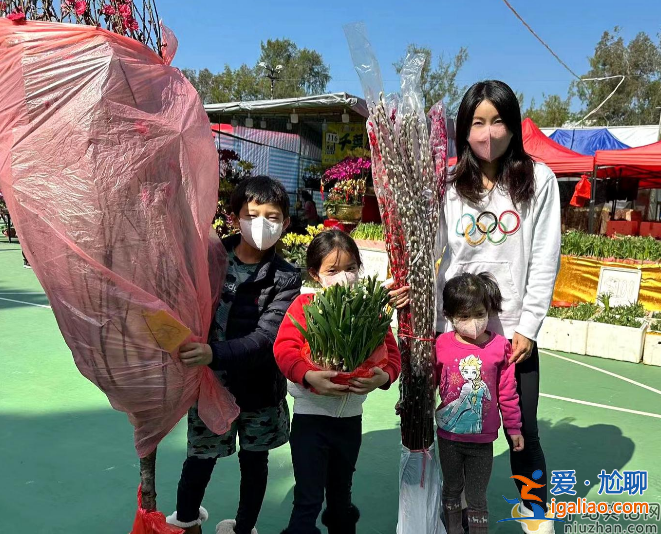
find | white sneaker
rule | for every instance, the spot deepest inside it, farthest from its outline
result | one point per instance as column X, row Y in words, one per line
column 227, row 527
column 172, row 520
column 536, row 527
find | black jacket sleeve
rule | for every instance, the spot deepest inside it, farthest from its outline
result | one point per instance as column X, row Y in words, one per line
column 253, row 350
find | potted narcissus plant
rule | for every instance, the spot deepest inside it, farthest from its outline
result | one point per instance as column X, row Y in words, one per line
column 565, row 328
column 652, row 349
column 346, row 328
column 617, row 332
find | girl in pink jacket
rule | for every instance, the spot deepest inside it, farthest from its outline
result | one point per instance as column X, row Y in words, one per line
column 477, row 386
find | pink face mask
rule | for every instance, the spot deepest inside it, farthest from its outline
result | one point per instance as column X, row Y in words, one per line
column 489, row 142
column 471, row 328
column 343, row 278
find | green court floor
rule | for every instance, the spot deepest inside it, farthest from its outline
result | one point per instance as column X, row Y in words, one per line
column 67, row 463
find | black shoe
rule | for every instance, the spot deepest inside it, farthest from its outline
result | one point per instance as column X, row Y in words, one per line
column 341, row 525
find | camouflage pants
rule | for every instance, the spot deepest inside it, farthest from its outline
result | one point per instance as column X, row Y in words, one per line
column 258, row 431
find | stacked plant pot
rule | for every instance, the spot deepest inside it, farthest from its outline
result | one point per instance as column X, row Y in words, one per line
column 616, row 333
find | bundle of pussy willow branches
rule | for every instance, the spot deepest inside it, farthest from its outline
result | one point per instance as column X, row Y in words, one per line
column 409, row 173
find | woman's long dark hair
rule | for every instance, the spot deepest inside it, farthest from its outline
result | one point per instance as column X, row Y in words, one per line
column 516, row 170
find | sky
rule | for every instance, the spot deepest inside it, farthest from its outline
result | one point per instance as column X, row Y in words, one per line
column 217, row 33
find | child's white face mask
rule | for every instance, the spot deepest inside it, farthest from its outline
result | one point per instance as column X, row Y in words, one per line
column 260, row 233
column 342, row 278
column 471, row 328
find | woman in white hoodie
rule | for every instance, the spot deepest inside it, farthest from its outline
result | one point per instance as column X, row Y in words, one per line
column 502, row 216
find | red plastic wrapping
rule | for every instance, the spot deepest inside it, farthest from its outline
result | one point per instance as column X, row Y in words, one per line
column 379, row 358
column 110, row 173
column 147, row 522
column 582, row 192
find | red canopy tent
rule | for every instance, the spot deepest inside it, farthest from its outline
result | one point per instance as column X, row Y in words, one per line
column 643, row 163
column 561, row 160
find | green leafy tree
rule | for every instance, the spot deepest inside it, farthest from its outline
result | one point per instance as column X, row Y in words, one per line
column 554, row 111
column 637, row 99
column 439, row 81
column 303, row 73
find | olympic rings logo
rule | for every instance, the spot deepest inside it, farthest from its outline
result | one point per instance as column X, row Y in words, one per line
column 487, row 225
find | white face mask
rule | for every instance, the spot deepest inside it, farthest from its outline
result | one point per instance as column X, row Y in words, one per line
column 260, row 233
column 343, row 278
column 471, row 328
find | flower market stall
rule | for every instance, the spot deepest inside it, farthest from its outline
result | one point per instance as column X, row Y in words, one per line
column 294, row 140
column 595, row 272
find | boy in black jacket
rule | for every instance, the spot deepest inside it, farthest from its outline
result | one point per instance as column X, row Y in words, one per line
column 259, row 288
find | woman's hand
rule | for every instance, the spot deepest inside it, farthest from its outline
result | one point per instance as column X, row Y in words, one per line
column 321, row 382
column 195, row 354
column 521, row 348
column 363, row 386
column 399, row 298
column 517, row 443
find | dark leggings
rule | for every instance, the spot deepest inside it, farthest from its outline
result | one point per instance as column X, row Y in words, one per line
column 195, row 477
column 466, row 467
column 531, row 458
column 324, row 452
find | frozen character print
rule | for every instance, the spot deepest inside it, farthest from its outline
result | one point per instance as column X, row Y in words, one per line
column 464, row 414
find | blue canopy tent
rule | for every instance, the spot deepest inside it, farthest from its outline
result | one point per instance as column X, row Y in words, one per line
column 587, row 141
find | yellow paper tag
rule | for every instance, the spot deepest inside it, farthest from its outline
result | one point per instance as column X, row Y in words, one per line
column 167, row 331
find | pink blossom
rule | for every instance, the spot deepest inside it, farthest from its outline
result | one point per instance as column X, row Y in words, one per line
column 141, row 127
column 109, row 10
column 81, row 7
column 131, row 24
column 3, row 6
column 125, row 10
column 146, row 196
column 17, row 16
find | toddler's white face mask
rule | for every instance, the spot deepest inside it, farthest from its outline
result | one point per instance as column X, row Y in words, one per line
column 471, row 328
column 343, row 278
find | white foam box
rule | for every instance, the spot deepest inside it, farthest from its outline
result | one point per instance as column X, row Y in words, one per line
column 564, row 335
column 616, row 342
column 652, row 349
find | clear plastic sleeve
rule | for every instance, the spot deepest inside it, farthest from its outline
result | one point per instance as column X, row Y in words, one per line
column 419, row 493
column 110, row 172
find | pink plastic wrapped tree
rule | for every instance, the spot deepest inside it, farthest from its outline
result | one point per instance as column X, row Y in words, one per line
column 110, row 172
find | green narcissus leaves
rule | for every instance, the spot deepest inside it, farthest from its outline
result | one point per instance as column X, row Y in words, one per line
column 346, row 324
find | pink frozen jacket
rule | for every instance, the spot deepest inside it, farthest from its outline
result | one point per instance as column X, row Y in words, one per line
column 477, row 385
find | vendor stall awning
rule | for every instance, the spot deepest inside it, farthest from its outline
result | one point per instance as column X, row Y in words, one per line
column 587, row 141
column 643, row 162
column 330, row 103
column 561, row 160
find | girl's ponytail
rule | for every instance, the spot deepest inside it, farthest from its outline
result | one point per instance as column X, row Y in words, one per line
column 494, row 295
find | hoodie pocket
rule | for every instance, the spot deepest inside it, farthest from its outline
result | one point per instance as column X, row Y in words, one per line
column 502, row 273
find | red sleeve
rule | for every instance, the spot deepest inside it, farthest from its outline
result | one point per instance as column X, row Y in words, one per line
column 289, row 342
column 508, row 398
column 394, row 365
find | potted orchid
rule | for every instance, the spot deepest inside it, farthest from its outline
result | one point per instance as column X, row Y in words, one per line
column 347, row 182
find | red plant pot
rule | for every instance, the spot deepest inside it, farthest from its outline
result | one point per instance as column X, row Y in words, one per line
column 622, row 228
column 379, row 358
